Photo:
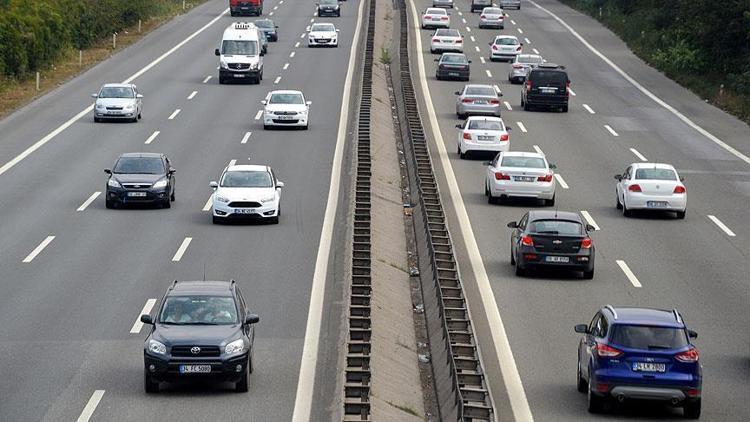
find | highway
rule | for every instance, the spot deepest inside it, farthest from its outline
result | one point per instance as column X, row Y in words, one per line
column 76, row 276
column 698, row 265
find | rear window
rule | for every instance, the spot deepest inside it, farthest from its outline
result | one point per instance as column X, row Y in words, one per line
column 492, row 11
column 447, row 33
column 655, row 174
column 563, row 227
column 480, row 90
column 549, row 76
column 649, row 338
column 530, row 162
column 485, row 125
column 453, row 58
column 506, row 41
column 436, row 12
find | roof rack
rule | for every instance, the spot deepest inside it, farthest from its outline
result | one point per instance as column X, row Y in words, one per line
column 611, row 309
column 677, row 316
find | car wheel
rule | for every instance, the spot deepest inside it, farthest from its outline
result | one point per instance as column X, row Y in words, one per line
column 618, row 204
column 595, row 403
column 221, row 80
column 461, row 154
column 305, row 127
column 625, row 211
column 550, row 202
column 149, row 384
column 97, row 120
column 166, row 204
column 241, row 385
column 692, row 410
column 681, row 214
column 171, row 197
column 565, row 109
column 134, row 120
column 512, row 257
column 216, row 220
column 520, row 272
column 588, row 275
column 581, row 383
column 486, row 189
column 109, row 204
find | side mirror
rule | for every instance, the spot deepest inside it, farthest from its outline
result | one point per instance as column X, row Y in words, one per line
column 552, row 166
column 469, row 61
column 521, row 44
column 618, row 177
column 251, row 319
column 489, row 43
column 280, row 184
column 486, row 163
column 262, row 53
column 682, row 179
column 582, row 328
column 508, row 128
column 94, row 95
column 338, row 30
column 138, row 95
column 437, row 60
column 146, row 319
column 459, row 127
column 172, row 170
column 692, row 334
column 213, row 185
column 500, row 94
column 590, row 228
column 457, row 92
column 108, row 171
column 309, row 103
column 217, row 52
column 264, row 102
column 513, row 225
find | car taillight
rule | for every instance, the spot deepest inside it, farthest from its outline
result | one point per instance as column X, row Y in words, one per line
column 494, row 101
column 467, row 101
column 444, row 18
column 635, row 188
column 501, row 176
column 567, row 88
column 517, row 66
column 482, row 17
column 604, row 351
column 459, row 41
column 528, row 84
column 467, row 136
column 504, row 137
column 545, row 178
column 679, row 189
column 527, row 241
column 689, row 356
column 586, row 243
column 435, row 39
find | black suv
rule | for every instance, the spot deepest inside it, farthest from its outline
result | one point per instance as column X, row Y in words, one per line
column 202, row 330
column 546, row 86
column 140, row 178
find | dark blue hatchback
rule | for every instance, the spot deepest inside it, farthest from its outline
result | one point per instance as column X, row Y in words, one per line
column 642, row 354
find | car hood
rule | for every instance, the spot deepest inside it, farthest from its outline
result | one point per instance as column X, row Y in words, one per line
column 245, row 194
column 323, row 34
column 137, row 178
column 203, row 335
column 286, row 107
column 115, row 102
column 269, row 30
column 239, row 59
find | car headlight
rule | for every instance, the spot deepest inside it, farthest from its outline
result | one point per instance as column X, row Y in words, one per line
column 157, row 347
column 254, row 65
column 113, row 183
column 237, row 346
column 100, row 106
column 129, row 106
column 160, row 184
column 269, row 199
column 223, row 64
column 336, row 7
column 222, row 199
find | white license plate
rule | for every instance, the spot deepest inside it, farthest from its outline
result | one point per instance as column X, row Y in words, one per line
column 238, row 75
column 453, row 74
column 137, row 194
column 245, row 211
column 114, row 113
column 286, row 117
column 480, row 102
column 524, row 178
column 656, row 204
column 557, row 259
column 195, row 369
column 485, row 138
column 649, row 367
column 544, row 90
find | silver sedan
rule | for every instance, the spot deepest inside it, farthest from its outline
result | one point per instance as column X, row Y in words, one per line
column 118, row 102
column 522, row 65
column 478, row 100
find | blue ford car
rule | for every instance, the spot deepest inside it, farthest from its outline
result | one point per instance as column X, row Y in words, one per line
column 639, row 354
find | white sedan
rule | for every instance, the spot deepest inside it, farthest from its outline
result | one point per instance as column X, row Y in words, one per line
column 505, row 47
column 447, row 40
column 323, row 35
column 482, row 133
column 435, row 17
column 285, row 108
column 520, row 174
column 247, row 192
column 651, row 186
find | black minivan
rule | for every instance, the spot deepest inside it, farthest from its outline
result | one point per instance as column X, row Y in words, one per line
column 547, row 85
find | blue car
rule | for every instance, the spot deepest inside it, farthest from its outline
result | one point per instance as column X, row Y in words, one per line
column 639, row 354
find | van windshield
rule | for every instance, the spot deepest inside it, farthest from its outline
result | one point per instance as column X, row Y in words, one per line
column 239, row 47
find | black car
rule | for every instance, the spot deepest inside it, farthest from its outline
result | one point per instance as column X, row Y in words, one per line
column 479, row 5
column 329, row 8
column 140, row 178
column 453, row 66
column 552, row 239
column 546, row 86
column 202, row 331
column 269, row 28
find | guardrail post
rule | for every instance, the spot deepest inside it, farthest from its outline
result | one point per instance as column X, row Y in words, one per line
column 38, row 88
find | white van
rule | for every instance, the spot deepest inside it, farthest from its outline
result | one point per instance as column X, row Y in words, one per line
column 240, row 54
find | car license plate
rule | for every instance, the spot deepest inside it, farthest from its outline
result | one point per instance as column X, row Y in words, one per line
column 523, row 178
column 137, row 194
column 547, row 90
column 557, row 259
column 453, row 74
column 286, row 117
column 649, row 367
column 480, row 102
column 656, row 204
column 238, row 75
column 195, row 369
column 245, row 211
column 485, row 138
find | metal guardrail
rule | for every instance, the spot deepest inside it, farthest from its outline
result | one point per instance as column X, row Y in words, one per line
column 462, row 394
column 357, row 371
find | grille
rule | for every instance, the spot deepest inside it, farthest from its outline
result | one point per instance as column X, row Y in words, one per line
column 114, row 108
column 244, row 204
column 206, row 351
column 239, row 66
column 136, row 185
column 285, row 113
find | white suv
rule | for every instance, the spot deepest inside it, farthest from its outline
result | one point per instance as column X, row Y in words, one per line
column 247, row 192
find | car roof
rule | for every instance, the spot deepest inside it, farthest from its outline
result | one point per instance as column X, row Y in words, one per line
column 522, row 154
column 285, row 91
column 142, row 154
column 248, row 167
column 652, row 165
column 490, row 118
column 117, row 85
column 184, row 288
column 535, row 215
column 645, row 316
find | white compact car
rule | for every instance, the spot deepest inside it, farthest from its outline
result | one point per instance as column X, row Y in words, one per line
column 482, row 133
column 285, row 108
column 447, row 40
column 651, row 186
column 247, row 192
column 118, row 102
column 505, row 47
column 323, row 35
column 520, row 174
column 435, row 17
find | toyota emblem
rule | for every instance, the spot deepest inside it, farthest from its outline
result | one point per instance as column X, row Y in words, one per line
column 557, row 242
column 195, row 350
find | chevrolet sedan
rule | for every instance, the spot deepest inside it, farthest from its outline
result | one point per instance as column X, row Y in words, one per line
column 453, row 66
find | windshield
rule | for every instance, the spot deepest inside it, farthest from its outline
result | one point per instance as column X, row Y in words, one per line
column 139, row 165
column 286, row 99
column 329, row 2
column 247, row 179
column 453, row 58
column 239, row 47
column 481, row 90
column 562, row 227
column 199, row 310
column 649, row 338
column 447, row 33
column 116, row 92
column 323, row 27
column 530, row 162
column 655, row 174
column 264, row 24
column 506, row 41
column 485, row 125
column 529, row 58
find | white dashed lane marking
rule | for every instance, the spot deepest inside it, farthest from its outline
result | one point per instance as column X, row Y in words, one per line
column 246, row 137
column 192, row 95
column 208, row 78
column 476, row 47
column 174, row 114
column 91, row 406
column 590, row 219
column 472, row 38
column 629, row 274
column 573, row 93
column 537, row 149
column 463, row 20
column 528, row 41
column 277, row 80
column 522, row 127
column 294, row 52
column 535, row 51
column 303, row 35
column 721, row 225
column 181, row 250
column 610, row 130
column 88, row 202
column 638, row 154
column 137, row 325
column 589, row 109
column 209, row 203
column 507, row 105
column 512, row 21
column 286, row 66
column 258, row 114
column 152, row 137
column 468, row 29
column 561, row 181
column 520, row 31
column 489, row 74
column 30, row 257
column 482, row 60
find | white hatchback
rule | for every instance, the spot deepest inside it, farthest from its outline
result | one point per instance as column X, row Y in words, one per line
column 285, row 108
column 435, row 17
column 447, row 40
column 247, row 192
column 520, row 174
column 482, row 133
column 323, row 35
column 505, row 47
column 651, row 186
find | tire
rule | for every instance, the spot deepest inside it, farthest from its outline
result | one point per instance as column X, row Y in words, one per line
column 618, row 204
column 305, row 127
column 221, row 80
column 97, row 120
column 595, row 403
column 109, row 204
column 232, row 14
column 216, row 220
column 512, row 257
column 266, row 127
column 166, row 204
column 625, row 211
column 565, row 109
column 550, row 202
column 520, row 272
column 134, row 119
column 242, row 385
column 250, row 364
column 171, row 197
column 681, row 215
column 462, row 116
column 486, row 189
column 588, row 275
column 461, row 155
column 149, row 385
column 581, row 385
column 692, row 410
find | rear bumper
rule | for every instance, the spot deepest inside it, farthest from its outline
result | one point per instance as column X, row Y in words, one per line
column 505, row 55
column 452, row 74
column 547, row 100
column 468, row 146
column 577, row 262
column 246, row 9
column 641, row 202
column 482, row 109
column 491, row 24
column 539, row 190
column 439, row 47
column 436, row 24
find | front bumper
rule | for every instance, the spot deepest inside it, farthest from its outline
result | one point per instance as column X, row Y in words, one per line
column 145, row 196
column 222, row 210
column 639, row 201
column 509, row 188
column 297, row 120
column 322, row 42
column 239, row 74
column 495, row 147
column 121, row 115
column 167, row 369
column 329, row 12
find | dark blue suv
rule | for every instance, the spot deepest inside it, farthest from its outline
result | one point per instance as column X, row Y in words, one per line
column 639, row 353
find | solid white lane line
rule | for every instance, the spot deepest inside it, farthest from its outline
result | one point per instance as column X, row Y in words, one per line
column 208, row 78
column 174, row 114
column 561, row 181
column 137, row 325
column 500, row 349
column 512, row 21
column 209, row 204
column 152, row 137
column 721, row 225
column 91, row 406
column 286, row 66
column 246, row 137
column 638, row 154
column 612, row 131
column 590, row 219
column 277, row 80
column 472, row 38
column 573, row 93
column 481, row 59
column 522, row 127
column 192, row 95
column 646, row 92
column 589, row 109
column 294, row 52
column 489, row 74
column 520, row 31
column 629, row 274
column 30, row 257
column 308, row 364
column 258, row 114
column 507, row 105
column 476, row 47
column 535, row 51
column 537, row 149
column 181, row 250
column 88, row 201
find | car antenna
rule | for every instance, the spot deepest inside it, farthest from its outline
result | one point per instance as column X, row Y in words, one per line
column 204, row 271
column 555, row 211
